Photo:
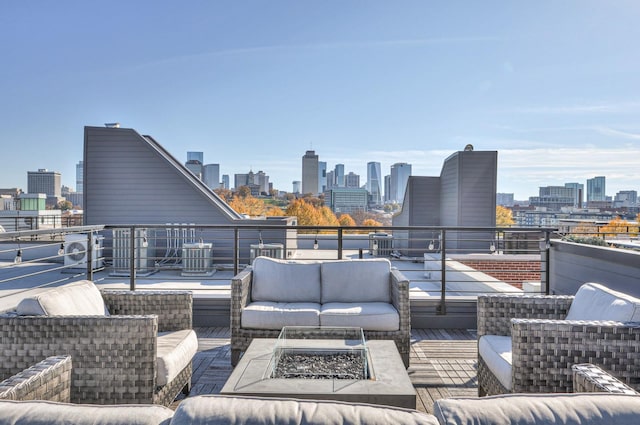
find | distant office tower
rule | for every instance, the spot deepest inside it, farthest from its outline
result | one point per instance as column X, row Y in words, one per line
column 44, row 181
column 211, row 175
column 310, row 169
column 374, row 183
column 194, row 163
column 344, row 200
column 225, row 181
column 338, row 175
column 554, row 197
column 626, row 198
column 387, row 188
column 331, row 180
column 352, row 180
column 400, row 173
column 322, row 176
column 504, row 199
column 596, row 189
column 297, row 185
column 79, row 177
column 578, row 193
column 262, row 180
column 240, row 180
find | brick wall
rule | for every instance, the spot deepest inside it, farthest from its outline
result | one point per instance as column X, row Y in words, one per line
column 513, row 272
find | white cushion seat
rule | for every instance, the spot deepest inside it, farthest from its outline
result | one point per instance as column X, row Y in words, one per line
column 81, row 298
column 597, row 302
column 276, row 315
column 174, row 353
column 347, row 281
column 370, row 316
column 495, row 350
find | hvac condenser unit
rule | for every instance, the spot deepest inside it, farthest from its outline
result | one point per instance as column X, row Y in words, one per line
column 196, row 259
column 380, row 244
column 142, row 261
column 76, row 251
column 272, row 250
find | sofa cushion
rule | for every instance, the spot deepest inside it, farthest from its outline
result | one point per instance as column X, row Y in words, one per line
column 228, row 410
column 541, row 409
column 495, row 350
column 373, row 316
column 80, row 298
column 285, row 281
column 175, row 351
column 52, row 413
column 597, row 302
column 273, row 315
column 348, row 281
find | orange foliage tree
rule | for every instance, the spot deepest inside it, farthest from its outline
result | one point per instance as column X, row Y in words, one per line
column 618, row 226
column 346, row 220
column 504, row 216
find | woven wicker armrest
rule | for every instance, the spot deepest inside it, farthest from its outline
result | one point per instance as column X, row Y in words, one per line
column 240, row 295
column 173, row 308
column 49, row 379
column 543, row 352
column 400, row 298
column 496, row 311
column 589, row 378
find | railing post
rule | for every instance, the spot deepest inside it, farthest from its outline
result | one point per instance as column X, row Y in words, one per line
column 132, row 260
column 442, row 308
column 90, row 256
column 340, row 243
column 236, row 250
column 547, row 271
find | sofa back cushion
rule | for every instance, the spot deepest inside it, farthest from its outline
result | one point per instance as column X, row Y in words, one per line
column 349, row 281
column 285, row 281
column 80, row 298
column 597, row 302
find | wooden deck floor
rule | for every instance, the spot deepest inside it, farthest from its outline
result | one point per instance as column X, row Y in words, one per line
column 443, row 364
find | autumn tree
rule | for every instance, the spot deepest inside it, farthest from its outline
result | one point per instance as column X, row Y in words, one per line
column 369, row 222
column 225, row 194
column 248, row 205
column 618, row 226
column 306, row 213
column 504, row 216
column 346, row 220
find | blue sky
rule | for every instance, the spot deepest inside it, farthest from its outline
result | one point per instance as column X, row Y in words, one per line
column 553, row 86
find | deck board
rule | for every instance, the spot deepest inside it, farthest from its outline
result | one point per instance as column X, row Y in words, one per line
column 442, row 364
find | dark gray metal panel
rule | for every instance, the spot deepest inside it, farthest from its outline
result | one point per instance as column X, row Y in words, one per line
column 129, row 180
column 572, row 265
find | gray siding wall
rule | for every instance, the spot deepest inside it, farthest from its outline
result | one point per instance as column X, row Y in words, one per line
column 128, row 181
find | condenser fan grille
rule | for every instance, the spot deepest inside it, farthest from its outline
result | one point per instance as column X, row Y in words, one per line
column 76, row 251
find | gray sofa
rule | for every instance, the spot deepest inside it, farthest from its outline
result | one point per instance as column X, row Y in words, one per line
column 367, row 293
column 126, row 347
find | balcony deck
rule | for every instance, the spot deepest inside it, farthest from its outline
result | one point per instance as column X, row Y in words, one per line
column 443, row 363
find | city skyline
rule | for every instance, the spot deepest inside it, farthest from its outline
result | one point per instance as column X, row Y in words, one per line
column 547, row 85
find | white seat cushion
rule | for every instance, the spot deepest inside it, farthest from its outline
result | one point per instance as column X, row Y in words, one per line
column 597, row 302
column 495, row 350
column 175, row 351
column 273, row 315
column 80, row 298
column 373, row 316
column 285, row 281
column 348, row 281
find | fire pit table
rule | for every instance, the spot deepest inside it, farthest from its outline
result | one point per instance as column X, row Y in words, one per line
column 325, row 364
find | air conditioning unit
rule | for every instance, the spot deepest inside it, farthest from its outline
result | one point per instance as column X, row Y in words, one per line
column 196, row 259
column 142, row 246
column 272, row 250
column 76, row 251
column 380, row 244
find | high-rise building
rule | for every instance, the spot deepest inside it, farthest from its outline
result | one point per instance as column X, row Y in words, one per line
column 554, row 197
column 387, row 188
column 504, row 199
column 297, row 185
column 596, row 189
column 79, row 177
column 44, row 181
column 211, row 175
column 322, row 176
column 338, row 175
column 352, row 180
column 225, row 181
column 331, row 180
column 310, row 183
column 400, row 173
column 346, row 200
column 194, row 163
column 626, row 198
column 578, row 193
column 374, row 183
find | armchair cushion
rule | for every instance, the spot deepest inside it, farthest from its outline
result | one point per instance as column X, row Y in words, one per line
column 495, row 350
column 80, row 298
column 597, row 302
column 174, row 353
column 372, row 316
column 275, row 315
column 284, row 281
column 356, row 281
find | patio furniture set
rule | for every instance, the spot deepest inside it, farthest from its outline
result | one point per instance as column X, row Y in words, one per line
column 76, row 344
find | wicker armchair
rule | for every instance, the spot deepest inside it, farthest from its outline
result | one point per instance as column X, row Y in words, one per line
column 544, row 345
column 241, row 296
column 589, row 378
column 114, row 357
column 49, row 379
